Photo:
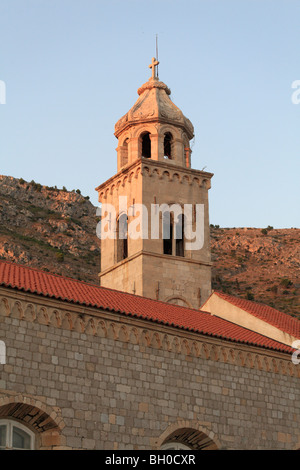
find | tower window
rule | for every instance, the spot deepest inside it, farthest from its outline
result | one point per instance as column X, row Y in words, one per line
column 146, row 145
column 167, row 145
column 173, row 234
column 122, row 238
column 167, row 233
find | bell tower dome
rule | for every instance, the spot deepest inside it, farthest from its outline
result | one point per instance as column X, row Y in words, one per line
column 154, row 127
column 158, row 244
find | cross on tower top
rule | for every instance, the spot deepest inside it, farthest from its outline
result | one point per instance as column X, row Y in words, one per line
column 152, row 66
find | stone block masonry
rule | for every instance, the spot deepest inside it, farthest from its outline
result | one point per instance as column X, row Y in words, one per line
column 125, row 383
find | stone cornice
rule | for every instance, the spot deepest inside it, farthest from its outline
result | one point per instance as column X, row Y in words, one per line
column 131, row 329
column 168, row 166
column 149, row 167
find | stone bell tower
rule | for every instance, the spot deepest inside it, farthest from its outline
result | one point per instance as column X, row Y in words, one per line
column 155, row 241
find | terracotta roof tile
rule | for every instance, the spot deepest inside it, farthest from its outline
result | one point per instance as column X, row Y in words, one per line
column 43, row 283
column 268, row 314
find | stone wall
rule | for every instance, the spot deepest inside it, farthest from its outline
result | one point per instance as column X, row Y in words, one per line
column 87, row 379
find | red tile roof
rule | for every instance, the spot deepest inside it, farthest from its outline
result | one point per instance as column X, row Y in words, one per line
column 268, row 314
column 45, row 284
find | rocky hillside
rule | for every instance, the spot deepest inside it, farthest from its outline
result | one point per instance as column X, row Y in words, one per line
column 48, row 228
column 55, row 230
column 258, row 264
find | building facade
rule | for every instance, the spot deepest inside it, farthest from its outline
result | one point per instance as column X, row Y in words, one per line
column 87, row 367
column 151, row 359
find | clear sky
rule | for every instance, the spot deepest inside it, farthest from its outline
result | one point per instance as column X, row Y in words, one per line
column 72, row 68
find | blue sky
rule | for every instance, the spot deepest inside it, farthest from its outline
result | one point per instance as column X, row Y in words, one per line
column 72, row 69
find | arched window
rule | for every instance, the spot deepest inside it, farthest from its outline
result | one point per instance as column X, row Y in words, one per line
column 14, row 435
column 146, row 145
column 122, row 238
column 189, row 439
column 168, row 145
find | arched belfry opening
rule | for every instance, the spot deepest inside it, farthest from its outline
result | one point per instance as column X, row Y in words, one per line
column 168, row 145
column 188, row 438
column 146, row 145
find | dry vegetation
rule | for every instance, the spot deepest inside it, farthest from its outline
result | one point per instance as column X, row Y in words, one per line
column 55, row 230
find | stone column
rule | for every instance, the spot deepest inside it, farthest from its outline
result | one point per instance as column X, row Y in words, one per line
column 154, row 146
column 134, row 150
column 187, row 154
column 177, row 151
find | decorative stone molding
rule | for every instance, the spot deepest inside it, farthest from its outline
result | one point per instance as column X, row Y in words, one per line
column 156, row 169
column 95, row 322
column 175, row 175
column 120, row 182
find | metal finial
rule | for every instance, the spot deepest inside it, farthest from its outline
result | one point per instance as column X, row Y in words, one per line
column 156, row 41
